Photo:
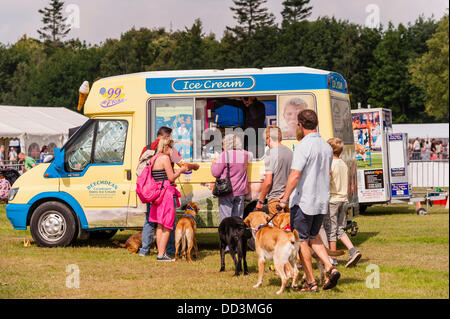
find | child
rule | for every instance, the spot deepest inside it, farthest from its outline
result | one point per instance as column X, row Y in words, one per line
column 4, row 188
column 336, row 219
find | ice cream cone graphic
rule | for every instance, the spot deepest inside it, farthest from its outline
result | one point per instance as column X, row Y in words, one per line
column 84, row 91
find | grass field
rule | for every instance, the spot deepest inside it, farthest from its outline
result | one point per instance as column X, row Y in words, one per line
column 377, row 162
column 411, row 251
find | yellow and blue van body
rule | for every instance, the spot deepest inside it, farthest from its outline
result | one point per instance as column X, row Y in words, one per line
column 92, row 178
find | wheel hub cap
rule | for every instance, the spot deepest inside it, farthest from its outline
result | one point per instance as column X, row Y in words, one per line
column 52, row 226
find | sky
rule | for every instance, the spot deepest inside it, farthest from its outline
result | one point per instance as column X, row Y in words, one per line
column 96, row 20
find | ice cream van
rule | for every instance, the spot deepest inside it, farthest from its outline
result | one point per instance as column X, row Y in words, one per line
column 90, row 185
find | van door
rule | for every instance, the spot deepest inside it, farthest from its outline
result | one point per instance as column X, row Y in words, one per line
column 98, row 166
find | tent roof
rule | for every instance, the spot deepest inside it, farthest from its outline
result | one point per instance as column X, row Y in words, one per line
column 439, row 130
column 17, row 120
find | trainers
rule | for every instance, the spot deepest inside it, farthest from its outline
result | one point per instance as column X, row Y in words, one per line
column 164, row 258
column 354, row 258
column 143, row 255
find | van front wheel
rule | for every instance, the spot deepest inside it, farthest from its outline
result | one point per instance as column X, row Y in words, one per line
column 52, row 225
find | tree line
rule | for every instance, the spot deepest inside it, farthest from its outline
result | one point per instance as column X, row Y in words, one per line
column 404, row 67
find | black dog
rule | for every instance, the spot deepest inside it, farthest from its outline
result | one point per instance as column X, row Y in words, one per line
column 234, row 234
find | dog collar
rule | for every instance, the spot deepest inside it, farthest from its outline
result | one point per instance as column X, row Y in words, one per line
column 190, row 217
column 261, row 226
column 287, row 228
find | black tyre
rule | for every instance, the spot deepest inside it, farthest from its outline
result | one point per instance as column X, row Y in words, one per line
column 362, row 208
column 53, row 225
column 421, row 211
column 102, row 234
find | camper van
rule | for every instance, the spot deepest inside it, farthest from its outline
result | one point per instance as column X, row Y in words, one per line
column 90, row 186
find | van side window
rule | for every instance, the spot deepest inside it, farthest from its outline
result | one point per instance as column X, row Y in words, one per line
column 78, row 154
column 289, row 106
column 102, row 141
column 110, row 141
column 342, row 120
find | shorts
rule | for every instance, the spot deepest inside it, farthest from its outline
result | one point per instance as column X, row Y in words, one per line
column 307, row 226
column 336, row 220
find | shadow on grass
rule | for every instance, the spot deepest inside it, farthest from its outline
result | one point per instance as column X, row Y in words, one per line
column 99, row 243
column 360, row 238
column 389, row 210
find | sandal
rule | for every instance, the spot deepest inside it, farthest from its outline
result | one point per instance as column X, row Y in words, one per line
column 309, row 287
column 303, row 282
column 333, row 276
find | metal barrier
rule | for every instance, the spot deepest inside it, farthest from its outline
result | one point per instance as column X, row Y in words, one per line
column 429, row 173
column 11, row 164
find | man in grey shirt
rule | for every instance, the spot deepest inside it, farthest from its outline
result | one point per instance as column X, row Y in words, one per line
column 308, row 191
column 278, row 162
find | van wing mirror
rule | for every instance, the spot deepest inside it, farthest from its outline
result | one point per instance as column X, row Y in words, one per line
column 56, row 168
column 59, row 159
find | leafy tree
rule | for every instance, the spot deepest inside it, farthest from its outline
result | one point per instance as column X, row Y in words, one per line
column 391, row 84
column 135, row 51
column 431, row 72
column 55, row 28
column 356, row 58
column 16, row 64
column 192, row 48
column 250, row 15
column 295, row 10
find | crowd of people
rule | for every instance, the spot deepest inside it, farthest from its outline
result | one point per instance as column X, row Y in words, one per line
column 14, row 157
column 427, row 149
column 15, row 160
column 310, row 183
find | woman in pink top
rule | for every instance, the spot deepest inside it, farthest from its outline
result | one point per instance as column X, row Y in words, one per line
column 232, row 204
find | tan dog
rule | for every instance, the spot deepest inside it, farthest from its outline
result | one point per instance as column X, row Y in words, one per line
column 282, row 221
column 185, row 233
column 133, row 243
column 274, row 243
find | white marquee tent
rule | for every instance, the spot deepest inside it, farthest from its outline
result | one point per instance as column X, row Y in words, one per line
column 33, row 127
column 423, row 130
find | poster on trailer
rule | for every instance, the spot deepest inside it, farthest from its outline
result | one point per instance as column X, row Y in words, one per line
column 368, row 133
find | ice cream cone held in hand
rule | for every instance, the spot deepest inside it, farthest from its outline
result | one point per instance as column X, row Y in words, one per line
column 84, row 91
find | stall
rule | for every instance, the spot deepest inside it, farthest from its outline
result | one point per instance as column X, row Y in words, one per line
column 27, row 129
column 383, row 167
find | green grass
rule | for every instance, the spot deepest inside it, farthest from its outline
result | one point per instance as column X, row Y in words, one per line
column 377, row 162
column 411, row 251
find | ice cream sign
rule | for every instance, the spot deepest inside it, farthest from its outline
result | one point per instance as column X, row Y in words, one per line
column 213, row 84
column 112, row 96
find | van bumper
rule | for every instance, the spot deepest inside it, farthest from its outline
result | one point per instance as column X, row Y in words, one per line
column 17, row 215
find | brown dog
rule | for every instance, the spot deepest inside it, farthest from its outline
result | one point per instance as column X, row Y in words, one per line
column 282, row 221
column 185, row 233
column 133, row 243
column 274, row 243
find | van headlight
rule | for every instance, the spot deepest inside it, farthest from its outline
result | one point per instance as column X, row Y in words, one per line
column 12, row 193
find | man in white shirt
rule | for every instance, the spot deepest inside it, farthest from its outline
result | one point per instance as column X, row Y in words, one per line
column 308, row 191
column 416, row 146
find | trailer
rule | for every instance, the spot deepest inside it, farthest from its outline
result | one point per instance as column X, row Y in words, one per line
column 383, row 163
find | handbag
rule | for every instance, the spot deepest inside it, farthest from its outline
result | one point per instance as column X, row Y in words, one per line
column 147, row 188
column 222, row 186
